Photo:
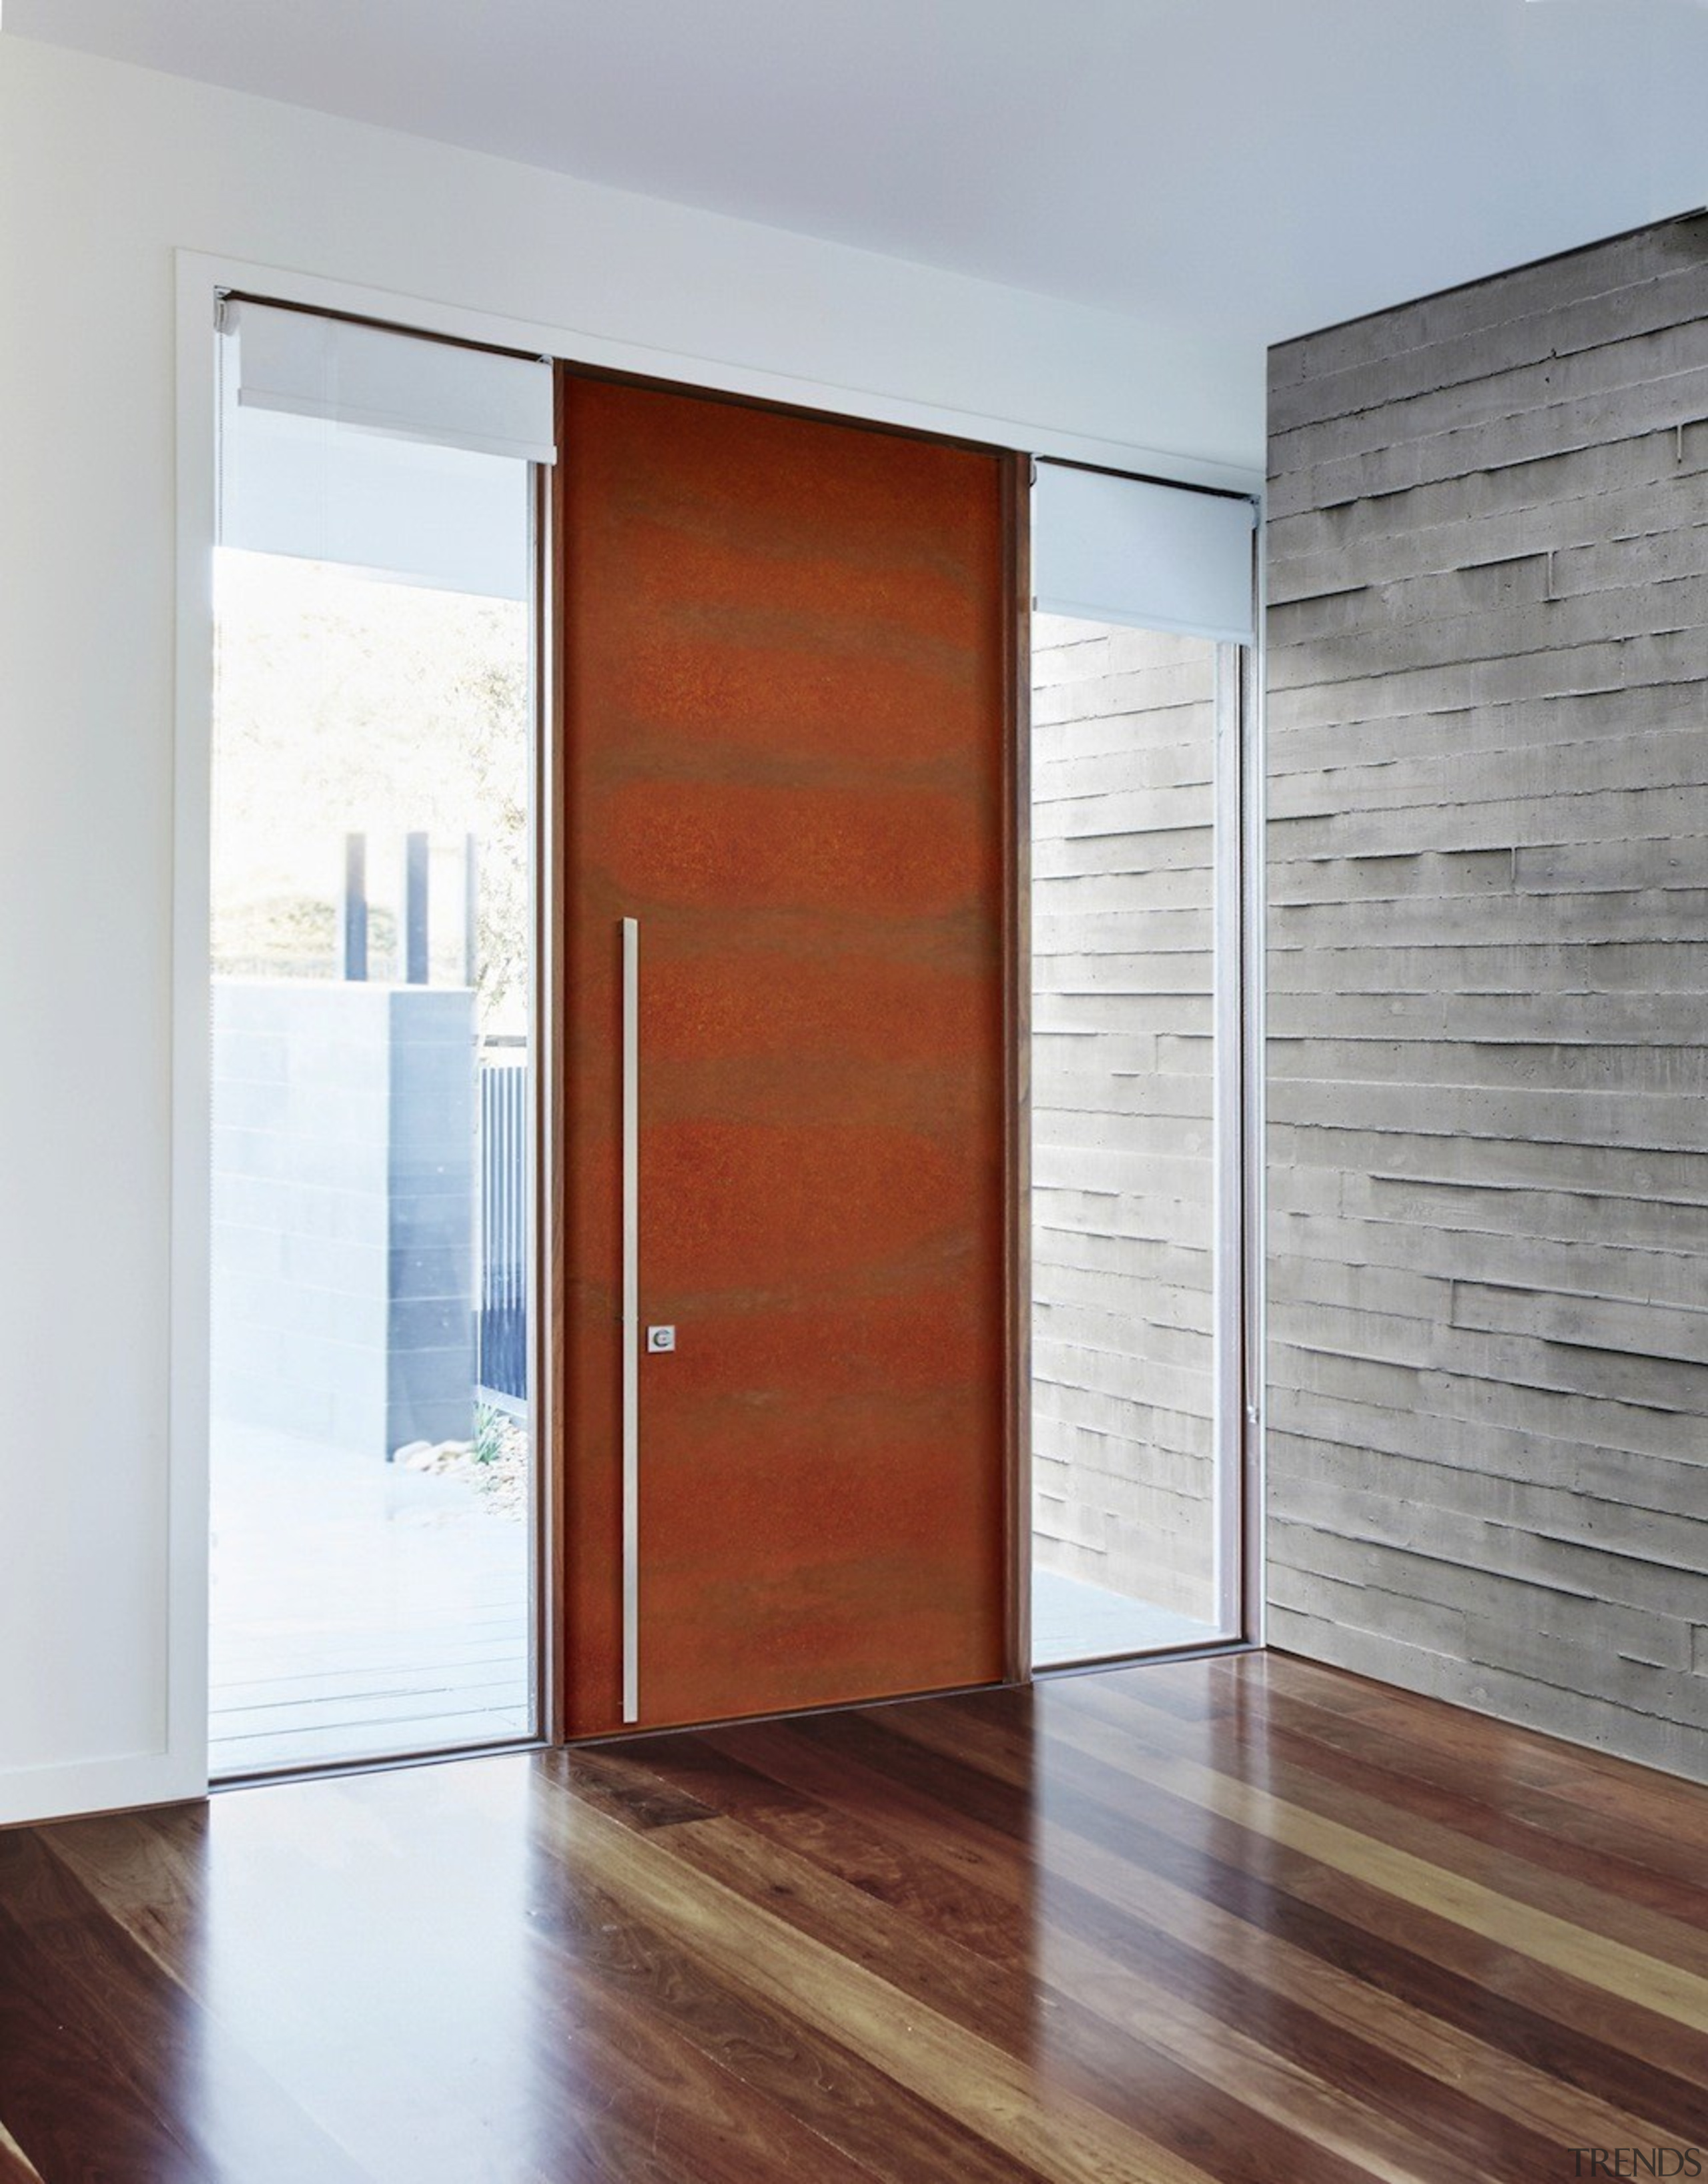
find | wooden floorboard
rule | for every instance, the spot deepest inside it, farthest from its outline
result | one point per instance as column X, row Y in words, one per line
column 1233, row 1921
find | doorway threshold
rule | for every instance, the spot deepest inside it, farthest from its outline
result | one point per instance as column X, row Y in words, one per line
column 381, row 1763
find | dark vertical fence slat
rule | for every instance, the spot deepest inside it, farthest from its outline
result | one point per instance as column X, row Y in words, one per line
column 355, row 907
column 504, row 1227
column 415, row 881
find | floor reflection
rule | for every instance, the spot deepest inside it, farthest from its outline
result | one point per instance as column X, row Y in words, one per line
column 1236, row 1918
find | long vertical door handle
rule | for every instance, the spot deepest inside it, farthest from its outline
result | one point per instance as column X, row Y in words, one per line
column 631, row 1319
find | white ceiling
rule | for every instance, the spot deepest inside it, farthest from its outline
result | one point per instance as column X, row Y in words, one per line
column 1257, row 166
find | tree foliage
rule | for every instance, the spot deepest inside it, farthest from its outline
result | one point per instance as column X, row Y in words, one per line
column 347, row 704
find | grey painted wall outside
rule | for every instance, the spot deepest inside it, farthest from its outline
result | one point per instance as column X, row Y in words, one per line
column 343, row 1211
column 1489, row 732
column 1123, row 750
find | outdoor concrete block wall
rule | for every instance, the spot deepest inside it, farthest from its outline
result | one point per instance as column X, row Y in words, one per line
column 1123, row 1182
column 344, row 1143
column 1488, row 734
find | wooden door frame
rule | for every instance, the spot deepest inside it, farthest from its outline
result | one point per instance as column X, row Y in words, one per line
column 550, row 1253
column 1017, row 1013
column 1016, row 470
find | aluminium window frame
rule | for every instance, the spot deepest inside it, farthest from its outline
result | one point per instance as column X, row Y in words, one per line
column 1238, row 1223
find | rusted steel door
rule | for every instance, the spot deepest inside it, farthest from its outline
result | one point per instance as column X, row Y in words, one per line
column 783, row 648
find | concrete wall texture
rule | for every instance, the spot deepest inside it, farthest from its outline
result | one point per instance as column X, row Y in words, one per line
column 1488, row 629
column 343, row 1211
column 1123, row 1199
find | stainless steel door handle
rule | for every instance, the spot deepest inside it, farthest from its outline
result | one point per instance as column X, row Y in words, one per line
column 631, row 1319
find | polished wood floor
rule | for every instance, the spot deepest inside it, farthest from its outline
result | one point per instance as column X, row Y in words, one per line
column 1241, row 1919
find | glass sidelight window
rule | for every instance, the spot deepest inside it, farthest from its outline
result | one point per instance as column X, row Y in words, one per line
column 372, row 1321
column 1140, row 648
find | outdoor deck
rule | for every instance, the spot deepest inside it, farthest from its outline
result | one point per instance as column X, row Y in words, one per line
column 1073, row 1620
column 359, row 1609
column 362, row 1610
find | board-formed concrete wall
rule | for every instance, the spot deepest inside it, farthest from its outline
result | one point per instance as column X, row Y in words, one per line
column 1123, row 1200
column 1489, row 1064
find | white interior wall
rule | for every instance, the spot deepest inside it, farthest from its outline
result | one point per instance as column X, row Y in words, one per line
column 106, row 172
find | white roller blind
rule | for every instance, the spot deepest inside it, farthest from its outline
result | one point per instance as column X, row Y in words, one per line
column 404, row 510
column 399, row 385
column 1118, row 549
